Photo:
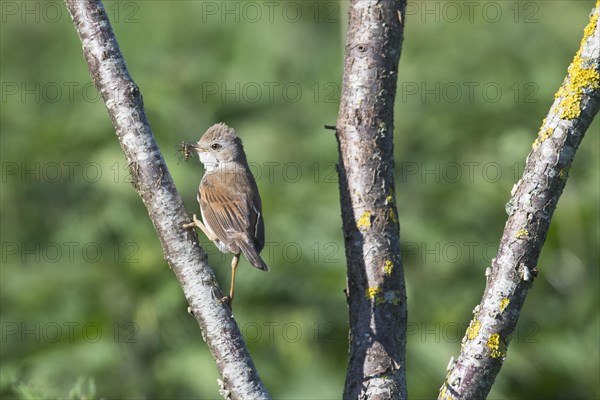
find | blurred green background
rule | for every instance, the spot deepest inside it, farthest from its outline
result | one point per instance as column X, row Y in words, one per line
column 90, row 308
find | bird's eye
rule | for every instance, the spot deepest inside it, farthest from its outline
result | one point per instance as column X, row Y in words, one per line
column 215, row 146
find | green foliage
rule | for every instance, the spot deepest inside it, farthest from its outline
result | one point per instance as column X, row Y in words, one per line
column 85, row 290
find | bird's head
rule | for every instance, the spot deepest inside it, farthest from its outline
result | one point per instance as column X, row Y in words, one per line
column 219, row 145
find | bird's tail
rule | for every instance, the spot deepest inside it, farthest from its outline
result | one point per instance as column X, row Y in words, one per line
column 252, row 255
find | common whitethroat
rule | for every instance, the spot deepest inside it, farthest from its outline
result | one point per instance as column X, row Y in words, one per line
column 229, row 200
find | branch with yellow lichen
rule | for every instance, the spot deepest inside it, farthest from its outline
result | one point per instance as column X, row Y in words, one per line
column 375, row 290
column 530, row 210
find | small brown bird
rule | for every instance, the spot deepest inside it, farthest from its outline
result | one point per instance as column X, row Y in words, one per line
column 229, row 200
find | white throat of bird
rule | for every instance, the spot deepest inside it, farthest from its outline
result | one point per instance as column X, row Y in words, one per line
column 211, row 163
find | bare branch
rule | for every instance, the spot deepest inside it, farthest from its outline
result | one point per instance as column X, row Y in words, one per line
column 530, row 210
column 154, row 184
column 376, row 292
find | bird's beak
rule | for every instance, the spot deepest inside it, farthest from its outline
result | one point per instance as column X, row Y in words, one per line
column 189, row 148
column 193, row 147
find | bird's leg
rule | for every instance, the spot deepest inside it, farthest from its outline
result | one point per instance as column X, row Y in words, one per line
column 234, row 264
column 204, row 229
column 197, row 223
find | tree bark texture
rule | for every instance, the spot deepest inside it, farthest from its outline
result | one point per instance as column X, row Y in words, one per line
column 375, row 291
column 530, row 210
column 154, row 184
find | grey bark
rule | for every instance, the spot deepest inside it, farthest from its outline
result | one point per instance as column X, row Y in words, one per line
column 375, row 280
column 152, row 181
column 530, row 210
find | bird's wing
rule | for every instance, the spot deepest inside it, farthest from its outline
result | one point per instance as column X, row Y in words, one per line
column 226, row 213
column 256, row 223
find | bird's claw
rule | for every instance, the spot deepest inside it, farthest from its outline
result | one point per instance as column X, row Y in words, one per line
column 191, row 225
